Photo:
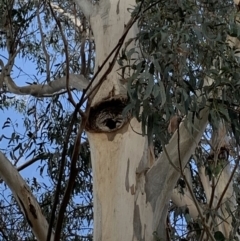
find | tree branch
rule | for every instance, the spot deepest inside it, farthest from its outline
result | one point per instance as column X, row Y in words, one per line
column 78, row 23
column 190, row 135
column 43, row 43
column 27, row 202
column 60, row 173
column 76, row 81
column 33, row 160
column 74, row 19
column 65, row 44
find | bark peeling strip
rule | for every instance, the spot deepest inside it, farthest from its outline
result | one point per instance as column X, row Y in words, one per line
column 106, row 116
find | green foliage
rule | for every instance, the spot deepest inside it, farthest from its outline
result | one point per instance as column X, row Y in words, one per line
column 180, row 46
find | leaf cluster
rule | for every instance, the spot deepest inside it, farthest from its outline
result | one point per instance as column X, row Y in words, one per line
column 183, row 64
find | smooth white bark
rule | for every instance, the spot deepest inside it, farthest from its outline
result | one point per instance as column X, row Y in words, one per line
column 108, row 25
column 115, row 159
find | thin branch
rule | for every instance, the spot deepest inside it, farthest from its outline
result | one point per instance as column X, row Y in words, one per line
column 30, row 162
column 66, row 54
column 26, row 147
column 82, row 51
column 73, row 173
column 215, row 184
column 6, row 70
column 194, row 200
column 169, row 159
column 4, row 235
column 228, row 183
column 61, row 170
column 43, row 44
column 179, row 153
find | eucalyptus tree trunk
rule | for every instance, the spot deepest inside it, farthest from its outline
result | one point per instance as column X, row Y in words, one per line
column 116, row 148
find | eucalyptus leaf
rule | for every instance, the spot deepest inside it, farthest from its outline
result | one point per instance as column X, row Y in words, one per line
column 162, row 93
column 149, row 88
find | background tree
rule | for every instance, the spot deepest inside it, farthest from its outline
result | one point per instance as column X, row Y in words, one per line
column 159, row 104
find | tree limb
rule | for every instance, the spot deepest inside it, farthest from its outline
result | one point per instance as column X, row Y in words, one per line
column 159, row 190
column 74, row 19
column 27, row 202
column 76, row 81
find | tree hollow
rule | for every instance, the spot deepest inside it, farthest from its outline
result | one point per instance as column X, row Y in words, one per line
column 106, row 116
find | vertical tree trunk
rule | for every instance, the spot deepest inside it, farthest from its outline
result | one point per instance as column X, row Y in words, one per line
column 118, row 197
column 116, row 155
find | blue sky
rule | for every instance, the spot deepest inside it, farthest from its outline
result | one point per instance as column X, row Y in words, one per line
column 23, row 71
